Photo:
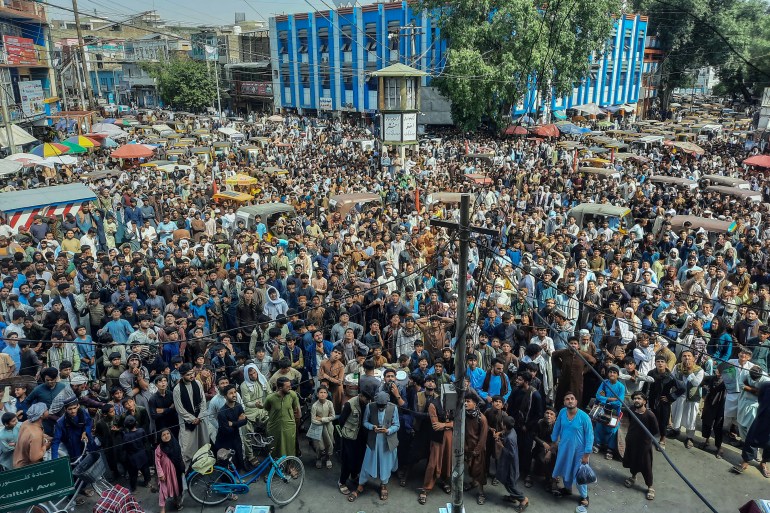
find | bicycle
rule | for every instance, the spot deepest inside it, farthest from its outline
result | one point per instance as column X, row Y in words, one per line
column 89, row 468
column 284, row 480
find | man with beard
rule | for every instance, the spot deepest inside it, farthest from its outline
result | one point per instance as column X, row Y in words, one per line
column 476, row 430
column 663, row 391
column 230, row 419
column 572, row 365
column 353, row 439
column 574, row 436
column 638, row 455
column 216, row 404
column 440, row 457
column 190, row 405
column 525, row 406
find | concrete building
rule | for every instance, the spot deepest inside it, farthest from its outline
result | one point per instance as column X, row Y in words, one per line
column 322, row 61
column 136, row 84
column 651, row 76
column 25, row 66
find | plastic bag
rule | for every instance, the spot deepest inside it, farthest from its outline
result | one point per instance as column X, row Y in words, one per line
column 585, row 475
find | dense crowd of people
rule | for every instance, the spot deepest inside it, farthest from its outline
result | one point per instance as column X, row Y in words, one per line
column 154, row 321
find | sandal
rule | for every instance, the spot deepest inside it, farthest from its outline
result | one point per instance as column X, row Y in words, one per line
column 402, row 481
column 763, row 470
column 470, row 486
column 79, row 501
column 447, row 489
column 508, row 498
column 343, row 489
column 481, row 499
column 608, row 455
column 495, row 482
column 318, row 464
column 528, row 482
column 563, row 492
column 422, row 496
column 629, row 482
column 328, row 464
column 650, row 493
column 523, row 505
column 739, row 469
column 354, row 495
column 595, row 449
column 383, row 493
column 720, row 453
column 88, row 492
column 688, row 443
column 584, row 501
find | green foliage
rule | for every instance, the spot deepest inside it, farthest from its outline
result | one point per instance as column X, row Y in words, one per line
column 496, row 48
column 699, row 33
column 183, row 83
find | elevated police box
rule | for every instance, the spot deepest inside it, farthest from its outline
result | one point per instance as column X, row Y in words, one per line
column 399, row 104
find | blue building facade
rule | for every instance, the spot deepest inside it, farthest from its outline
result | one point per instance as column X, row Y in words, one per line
column 322, row 60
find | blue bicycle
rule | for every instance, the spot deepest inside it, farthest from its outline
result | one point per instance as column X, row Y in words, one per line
column 285, row 477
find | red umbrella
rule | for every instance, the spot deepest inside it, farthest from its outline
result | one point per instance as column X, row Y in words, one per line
column 758, row 160
column 132, row 151
column 516, row 130
column 546, row 131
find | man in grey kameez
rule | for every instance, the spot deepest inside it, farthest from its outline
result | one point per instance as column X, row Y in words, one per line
column 190, row 404
column 381, row 458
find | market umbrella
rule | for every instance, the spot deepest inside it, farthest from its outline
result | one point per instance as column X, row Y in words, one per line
column 75, row 149
column 109, row 143
column 25, row 158
column 546, row 131
column 516, row 130
column 83, row 141
column 132, row 151
column 590, row 109
column 276, row 118
column 9, row 167
column 49, row 150
column 559, row 114
column 758, row 161
column 59, row 159
column 241, row 179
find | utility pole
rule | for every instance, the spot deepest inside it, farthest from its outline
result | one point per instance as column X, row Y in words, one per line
column 464, row 228
column 79, row 82
column 82, row 52
column 7, row 118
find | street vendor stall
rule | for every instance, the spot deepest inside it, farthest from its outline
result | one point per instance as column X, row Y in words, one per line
column 21, row 207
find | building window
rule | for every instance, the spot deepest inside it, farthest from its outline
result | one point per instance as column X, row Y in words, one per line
column 323, row 40
column 394, row 35
column 302, row 38
column 347, row 39
column 392, row 94
column 411, row 93
column 371, row 37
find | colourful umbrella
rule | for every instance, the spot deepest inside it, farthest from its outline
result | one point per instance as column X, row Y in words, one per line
column 50, row 150
column 83, row 141
column 132, row 151
column 75, row 149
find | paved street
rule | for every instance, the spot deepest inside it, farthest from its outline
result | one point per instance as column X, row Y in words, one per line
column 725, row 490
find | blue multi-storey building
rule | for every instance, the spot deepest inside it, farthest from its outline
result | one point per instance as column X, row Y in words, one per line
column 322, row 60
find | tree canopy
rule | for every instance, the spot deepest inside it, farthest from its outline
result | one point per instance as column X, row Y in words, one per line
column 698, row 33
column 183, row 83
column 497, row 49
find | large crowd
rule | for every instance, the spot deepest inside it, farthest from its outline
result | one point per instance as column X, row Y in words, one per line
column 154, row 321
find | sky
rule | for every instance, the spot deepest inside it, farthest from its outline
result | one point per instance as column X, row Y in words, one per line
column 195, row 12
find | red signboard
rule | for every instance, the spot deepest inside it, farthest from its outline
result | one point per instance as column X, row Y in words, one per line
column 257, row 88
column 20, row 51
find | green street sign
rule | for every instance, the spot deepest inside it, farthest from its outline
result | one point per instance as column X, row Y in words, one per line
column 33, row 484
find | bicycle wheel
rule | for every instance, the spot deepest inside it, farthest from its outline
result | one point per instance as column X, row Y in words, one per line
column 39, row 508
column 285, row 480
column 199, row 486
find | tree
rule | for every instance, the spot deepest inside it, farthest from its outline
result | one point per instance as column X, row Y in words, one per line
column 747, row 71
column 183, row 83
column 695, row 34
column 498, row 49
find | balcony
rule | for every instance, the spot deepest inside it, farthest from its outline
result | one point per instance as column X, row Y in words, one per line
column 22, row 10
